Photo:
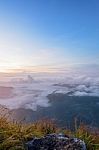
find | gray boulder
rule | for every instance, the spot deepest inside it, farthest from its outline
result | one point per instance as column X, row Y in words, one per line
column 56, row 142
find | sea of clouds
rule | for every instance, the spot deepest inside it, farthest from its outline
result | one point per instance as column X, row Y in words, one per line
column 30, row 90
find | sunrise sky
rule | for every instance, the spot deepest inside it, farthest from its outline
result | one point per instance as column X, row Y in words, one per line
column 48, row 32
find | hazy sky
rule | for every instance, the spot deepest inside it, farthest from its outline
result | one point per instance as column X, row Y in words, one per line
column 48, row 32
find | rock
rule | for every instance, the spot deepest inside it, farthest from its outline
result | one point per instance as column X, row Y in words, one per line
column 56, row 142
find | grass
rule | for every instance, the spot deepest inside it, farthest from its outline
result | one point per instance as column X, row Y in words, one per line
column 13, row 135
column 90, row 138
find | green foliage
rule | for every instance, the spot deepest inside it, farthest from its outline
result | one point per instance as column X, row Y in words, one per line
column 13, row 136
column 89, row 138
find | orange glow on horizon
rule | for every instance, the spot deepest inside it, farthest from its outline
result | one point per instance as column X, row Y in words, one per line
column 35, row 69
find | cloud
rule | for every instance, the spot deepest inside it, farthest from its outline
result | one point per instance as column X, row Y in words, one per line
column 31, row 91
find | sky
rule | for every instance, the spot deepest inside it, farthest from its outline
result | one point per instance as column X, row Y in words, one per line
column 48, row 32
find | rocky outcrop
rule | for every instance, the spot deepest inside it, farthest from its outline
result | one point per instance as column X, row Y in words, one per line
column 56, row 142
